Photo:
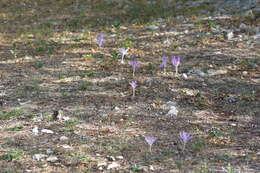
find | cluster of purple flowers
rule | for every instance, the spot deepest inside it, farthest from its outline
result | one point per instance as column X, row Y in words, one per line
column 175, row 60
column 184, row 137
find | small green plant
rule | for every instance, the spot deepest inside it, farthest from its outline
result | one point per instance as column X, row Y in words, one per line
column 114, row 54
column 249, row 95
column 128, row 42
column 223, row 157
column 85, row 85
column 198, row 145
column 135, row 168
column 80, row 157
column 38, row 64
column 249, row 63
column 89, row 73
column 70, row 123
column 10, row 114
column 215, row 132
column 43, row 46
column 87, row 55
column 16, row 128
column 11, row 155
column 14, row 53
column 99, row 55
column 229, row 169
column 116, row 24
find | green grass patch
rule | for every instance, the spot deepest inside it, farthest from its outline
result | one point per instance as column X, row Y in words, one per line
column 85, row 85
column 9, row 114
column 16, row 128
column 11, row 155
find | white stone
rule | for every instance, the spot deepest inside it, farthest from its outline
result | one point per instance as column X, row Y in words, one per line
column 67, row 147
column 49, row 151
column 120, row 157
column 197, row 72
column 38, row 157
column 47, row 131
column 102, row 164
column 152, row 27
column 64, row 138
column 52, row 159
column 173, row 111
column 212, row 72
column 35, row 130
column 113, row 165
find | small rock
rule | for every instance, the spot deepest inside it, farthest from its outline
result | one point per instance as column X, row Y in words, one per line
column 245, row 73
column 67, row 147
column 152, row 27
column 120, row 157
column 173, row 111
column 229, row 35
column 151, row 168
column 47, row 131
column 52, row 159
column 181, row 18
column 256, row 80
column 243, row 27
column 111, row 158
column 197, row 72
column 64, row 138
column 113, row 165
column 256, row 37
column 49, row 151
column 168, row 105
column 185, row 76
column 38, row 157
column 35, row 130
column 102, row 164
column 117, row 108
column 212, row 72
column 159, row 20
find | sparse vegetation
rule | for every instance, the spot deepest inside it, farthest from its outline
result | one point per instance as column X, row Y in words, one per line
column 130, row 87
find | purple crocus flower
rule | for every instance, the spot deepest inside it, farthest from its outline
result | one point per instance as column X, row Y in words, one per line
column 185, row 137
column 175, row 62
column 100, row 39
column 150, row 140
column 100, row 36
column 133, row 85
column 123, row 52
column 134, row 64
column 164, row 63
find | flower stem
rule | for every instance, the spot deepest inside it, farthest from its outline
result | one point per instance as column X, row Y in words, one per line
column 133, row 92
column 176, row 70
column 122, row 60
column 133, row 71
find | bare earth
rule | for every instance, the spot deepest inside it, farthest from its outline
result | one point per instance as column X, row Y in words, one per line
column 50, row 62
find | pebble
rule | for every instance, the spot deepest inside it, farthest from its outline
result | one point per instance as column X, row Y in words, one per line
column 120, row 157
column 212, row 72
column 38, row 157
column 49, row 151
column 229, row 35
column 113, row 165
column 111, row 158
column 173, row 111
column 35, row 130
column 197, row 72
column 64, row 138
column 47, row 131
column 152, row 27
column 52, row 159
column 102, row 164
